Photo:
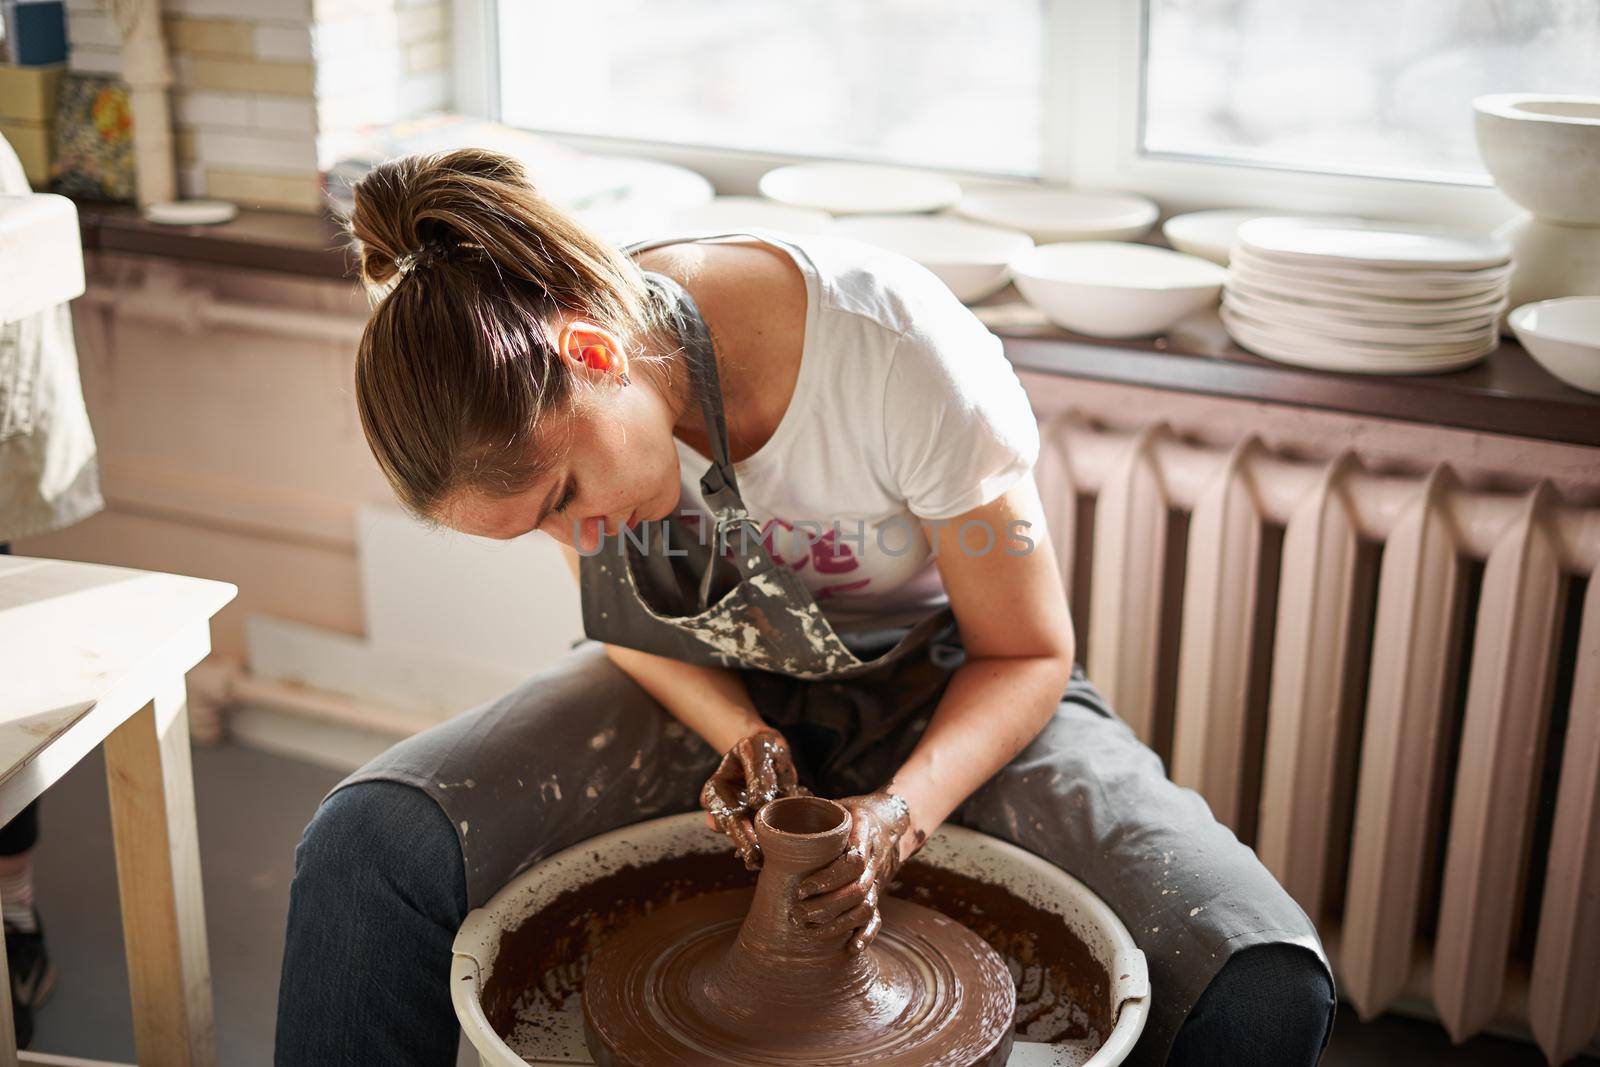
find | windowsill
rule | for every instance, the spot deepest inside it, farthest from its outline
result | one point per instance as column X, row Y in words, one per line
column 1508, row 393
column 283, row 242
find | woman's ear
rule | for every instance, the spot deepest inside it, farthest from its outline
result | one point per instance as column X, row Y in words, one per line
column 595, row 347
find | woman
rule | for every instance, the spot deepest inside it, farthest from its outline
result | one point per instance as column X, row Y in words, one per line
column 834, row 414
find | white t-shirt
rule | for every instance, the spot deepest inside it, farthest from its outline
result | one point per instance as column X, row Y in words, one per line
column 905, row 408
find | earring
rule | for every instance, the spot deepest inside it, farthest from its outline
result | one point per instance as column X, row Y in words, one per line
column 598, row 357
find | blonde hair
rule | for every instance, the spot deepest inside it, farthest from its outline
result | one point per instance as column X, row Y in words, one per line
column 457, row 371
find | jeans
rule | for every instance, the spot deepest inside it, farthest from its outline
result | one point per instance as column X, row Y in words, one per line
column 379, row 893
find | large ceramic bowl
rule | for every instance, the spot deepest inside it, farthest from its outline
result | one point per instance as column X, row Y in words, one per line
column 1564, row 337
column 1107, row 289
column 548, row 1038
column 969, row 257
column 1544, row 152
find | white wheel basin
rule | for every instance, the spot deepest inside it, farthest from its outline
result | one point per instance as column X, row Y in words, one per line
column 556, row 1036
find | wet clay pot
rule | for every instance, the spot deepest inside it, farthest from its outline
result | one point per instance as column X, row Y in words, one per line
column 729, row 978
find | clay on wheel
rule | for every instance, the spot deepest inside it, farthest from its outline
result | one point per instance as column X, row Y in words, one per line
column 727, row 978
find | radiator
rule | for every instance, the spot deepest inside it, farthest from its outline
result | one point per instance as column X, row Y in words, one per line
column 1387, row 684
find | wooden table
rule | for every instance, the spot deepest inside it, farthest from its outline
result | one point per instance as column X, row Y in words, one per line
column 91, row 654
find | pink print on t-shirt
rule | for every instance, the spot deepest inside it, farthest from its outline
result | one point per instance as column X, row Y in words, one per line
column 826, row 555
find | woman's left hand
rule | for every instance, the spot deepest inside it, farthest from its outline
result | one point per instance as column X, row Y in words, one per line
column 843, row 897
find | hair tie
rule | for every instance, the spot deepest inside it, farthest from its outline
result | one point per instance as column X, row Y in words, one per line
column 422, row 256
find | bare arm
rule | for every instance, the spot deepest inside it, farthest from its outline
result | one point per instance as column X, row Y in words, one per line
column 1019, row 642
column 1020, row 646
column 711, row 701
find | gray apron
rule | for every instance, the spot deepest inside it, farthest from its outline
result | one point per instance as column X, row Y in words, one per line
column 580, row 748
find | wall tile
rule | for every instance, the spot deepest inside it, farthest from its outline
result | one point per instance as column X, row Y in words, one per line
column 93, row 29
column 324, row 10
column 281, row 10
column 283, row 42
column 422, row 23
column 424, row 92
column 198, row 108
column 95, row 60
column 375, row 103
column 355, row 40
column 425, row 56
column 251, row 76
column 286, row 113
column 283, row 192
column 254, row 150
column 219, row 37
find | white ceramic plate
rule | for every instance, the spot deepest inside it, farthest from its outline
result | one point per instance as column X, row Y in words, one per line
column 1305, row 351
column 1285, row 279
column 1318, row 361
column 1367, row 244
column 1421, row 279
column 1387, row 308
column 1210, row 234
column 191, row 212
column 1053, row 215
column 1374, row 351
column 730, row 213
column 1475, row 330
column 970, row 257
column 859, row 188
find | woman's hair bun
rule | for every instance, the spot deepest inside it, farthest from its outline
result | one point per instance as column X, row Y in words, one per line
column 429, row 203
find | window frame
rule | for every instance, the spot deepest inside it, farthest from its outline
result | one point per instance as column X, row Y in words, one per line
column 1092, row 136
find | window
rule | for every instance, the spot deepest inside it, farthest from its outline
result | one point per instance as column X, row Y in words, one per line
column 942, row 83
column 1380, row 87
column 1356, row 106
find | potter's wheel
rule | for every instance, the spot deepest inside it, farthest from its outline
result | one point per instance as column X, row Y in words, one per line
column 729, row 978
column 519, row 960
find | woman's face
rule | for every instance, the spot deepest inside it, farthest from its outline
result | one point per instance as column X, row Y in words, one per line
column 619, row 465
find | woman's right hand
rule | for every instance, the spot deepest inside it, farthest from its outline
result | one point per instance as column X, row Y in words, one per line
column 757, row 770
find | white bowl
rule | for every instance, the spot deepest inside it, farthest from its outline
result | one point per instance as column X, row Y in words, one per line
column 969, row 257
column 1543, row 150
column 729, row 214
column 1107, row 289
column 1563, row 336
column 859, row 188
column 1049, row 215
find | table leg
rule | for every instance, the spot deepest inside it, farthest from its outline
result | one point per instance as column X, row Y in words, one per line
column 8, row 1028
column 158, row 874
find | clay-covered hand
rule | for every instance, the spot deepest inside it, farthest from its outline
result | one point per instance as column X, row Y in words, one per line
column 843, row 897
column 755, row 771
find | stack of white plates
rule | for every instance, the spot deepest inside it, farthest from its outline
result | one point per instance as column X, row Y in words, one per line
column 1367, row 297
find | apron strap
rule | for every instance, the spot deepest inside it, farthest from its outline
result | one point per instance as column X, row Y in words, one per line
column 719, row 484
